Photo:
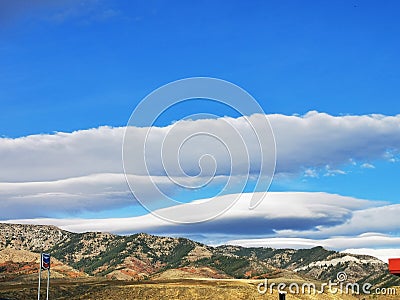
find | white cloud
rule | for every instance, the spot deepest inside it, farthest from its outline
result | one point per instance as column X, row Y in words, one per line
column 367, row 166
column 311, row 173
column 318, row 139
column 62, row 155
column 314, row 140
column 374, row 219
column 382, row 219
column 69, row 169
column 308, row 211
column 382, row 254
column 65, row 196
column 94, row 193
column 391, row 155
column 336, row 242
column 333, row 172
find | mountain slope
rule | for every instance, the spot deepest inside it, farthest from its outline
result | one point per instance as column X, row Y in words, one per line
column 319, row 263
column 15, row 263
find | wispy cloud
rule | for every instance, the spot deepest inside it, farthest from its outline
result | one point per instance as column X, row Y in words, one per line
column 367, row 166
column 83, row 11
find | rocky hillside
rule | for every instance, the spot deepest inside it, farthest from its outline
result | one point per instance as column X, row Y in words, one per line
column 14, row 263
column 142, row 256
column 31, row 237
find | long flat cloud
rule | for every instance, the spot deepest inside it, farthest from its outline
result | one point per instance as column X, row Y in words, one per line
column 280, row 211
column 82, row 170
column 312, row 140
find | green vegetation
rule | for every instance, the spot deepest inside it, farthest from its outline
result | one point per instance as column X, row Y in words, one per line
column 174, row 258
column 259, row 252
column 63, row 250
column 307, row 256
column 233, row 266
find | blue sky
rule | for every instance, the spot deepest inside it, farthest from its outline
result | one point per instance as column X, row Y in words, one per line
column 79, row 65
column 72, row 66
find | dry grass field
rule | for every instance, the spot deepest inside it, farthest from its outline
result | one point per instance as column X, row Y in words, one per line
column 159, row 289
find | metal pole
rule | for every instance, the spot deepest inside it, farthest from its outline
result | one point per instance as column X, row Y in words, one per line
column 40, row 273
column 48, row 283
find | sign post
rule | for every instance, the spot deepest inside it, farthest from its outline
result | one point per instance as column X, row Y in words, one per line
column 48, row 283
column 44, row 265
column 40, row 273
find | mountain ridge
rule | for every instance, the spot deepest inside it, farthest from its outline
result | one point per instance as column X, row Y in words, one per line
column 143, row 256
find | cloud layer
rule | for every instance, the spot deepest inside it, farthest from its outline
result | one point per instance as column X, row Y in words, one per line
column 309, row 212
column 313, row 140
column 82, row 170
column 333, row 221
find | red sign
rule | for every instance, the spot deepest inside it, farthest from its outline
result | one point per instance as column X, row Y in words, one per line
column 394, row 266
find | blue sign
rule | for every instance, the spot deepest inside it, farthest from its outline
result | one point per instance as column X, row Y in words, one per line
column 45, row 261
